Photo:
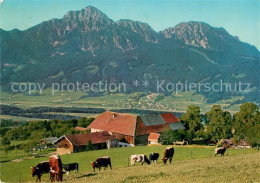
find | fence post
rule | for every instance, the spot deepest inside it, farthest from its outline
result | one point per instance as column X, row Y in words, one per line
column 227, row 151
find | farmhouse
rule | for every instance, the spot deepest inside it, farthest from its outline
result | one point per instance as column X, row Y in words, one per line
column 68, row 144
column 154, row 138
column 134, row 129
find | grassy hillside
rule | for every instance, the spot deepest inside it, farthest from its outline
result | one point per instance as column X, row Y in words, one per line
column 240, row 168
column 119, row 156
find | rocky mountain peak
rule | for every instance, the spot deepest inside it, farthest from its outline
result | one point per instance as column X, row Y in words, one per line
column 140, row 28
column 89, row 18
column 199, row 34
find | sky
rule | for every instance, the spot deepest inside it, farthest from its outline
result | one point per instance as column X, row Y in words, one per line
column 239, row 17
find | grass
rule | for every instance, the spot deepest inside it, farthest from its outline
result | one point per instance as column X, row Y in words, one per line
column 240, row 168
column 119, row 157
column 20, row 154
column 19, row 118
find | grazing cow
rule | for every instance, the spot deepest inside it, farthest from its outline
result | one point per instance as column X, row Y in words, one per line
column 154, row 157
column 168, row 154
column 101, row 162
column 139, row 158
column 55, row 168
column 40, row 169
column 70, row 167
column 220, row 150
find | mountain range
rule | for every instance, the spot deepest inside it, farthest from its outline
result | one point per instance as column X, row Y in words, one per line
column 88, row 46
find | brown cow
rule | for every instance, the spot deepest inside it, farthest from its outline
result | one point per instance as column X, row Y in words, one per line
column 55, row 168
column 168, row 154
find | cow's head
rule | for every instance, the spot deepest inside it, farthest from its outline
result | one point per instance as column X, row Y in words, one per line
column 56, row 174
column 59, row 176
column 94, row 164
column 35, row 170
column 164, row 160
column 147, row 160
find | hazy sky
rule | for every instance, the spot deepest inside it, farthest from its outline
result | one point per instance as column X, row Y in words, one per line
column 240, row 18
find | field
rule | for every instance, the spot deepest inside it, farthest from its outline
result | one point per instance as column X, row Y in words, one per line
column 138, row 100
column 189, row 161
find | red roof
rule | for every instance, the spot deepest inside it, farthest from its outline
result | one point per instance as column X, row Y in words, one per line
column 141, row 129
column 132, row 125
column 154, row 136
column 170, row 118
column 121, row 123
column 83, row 139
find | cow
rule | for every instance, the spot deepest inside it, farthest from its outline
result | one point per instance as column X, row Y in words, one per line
column 101, row 162
column 168, row 154
column 220, row 150
column 40, row 169
column 154, row 157
column 139, row 158
column 71, row 166
column 55, row 168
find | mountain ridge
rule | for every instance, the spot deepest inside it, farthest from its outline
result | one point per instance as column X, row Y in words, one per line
column 87, row 45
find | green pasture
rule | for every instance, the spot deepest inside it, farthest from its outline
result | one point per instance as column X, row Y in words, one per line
column 119, row 156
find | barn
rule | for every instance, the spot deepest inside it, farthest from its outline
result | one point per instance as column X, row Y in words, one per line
column 134, row 129
column 68, row 144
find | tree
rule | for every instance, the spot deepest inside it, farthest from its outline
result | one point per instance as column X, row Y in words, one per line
column 5, row 141
column 170, row 136
column 247, row 123
column 220, row 123
column 26, row 147
column 192, row 121
column 6, row 149
column 85, row 122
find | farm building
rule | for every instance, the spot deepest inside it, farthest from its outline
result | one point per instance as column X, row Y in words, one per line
column 154, row 138
column 48, row 142
column 134, row 129
column 68, row 144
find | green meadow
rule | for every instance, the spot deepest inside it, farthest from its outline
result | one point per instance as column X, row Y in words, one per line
column 20, row 170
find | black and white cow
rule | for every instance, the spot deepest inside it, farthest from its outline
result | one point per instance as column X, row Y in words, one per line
column 154, row 157
column 139, row 158
column 71, row 167
column 220, row 150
